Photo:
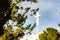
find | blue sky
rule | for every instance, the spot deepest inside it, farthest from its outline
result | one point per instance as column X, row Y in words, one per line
column 49, row 11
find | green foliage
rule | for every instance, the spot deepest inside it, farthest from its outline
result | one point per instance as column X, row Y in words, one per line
column 50, row 34
column 8, row 10
column 59, row 24
column 33, row 1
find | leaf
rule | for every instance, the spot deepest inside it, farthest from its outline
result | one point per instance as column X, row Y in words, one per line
column 35, row 1
column 59, row 24
column 37, row 9
column 26, row 10
column 30, row 29
column 19, row 1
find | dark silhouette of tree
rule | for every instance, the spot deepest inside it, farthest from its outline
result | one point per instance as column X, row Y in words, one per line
column 5, row 12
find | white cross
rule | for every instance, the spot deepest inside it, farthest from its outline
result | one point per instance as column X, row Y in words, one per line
column 37, row 18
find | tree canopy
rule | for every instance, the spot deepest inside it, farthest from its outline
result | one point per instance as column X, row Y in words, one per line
column 50, row 34
column 8, row 9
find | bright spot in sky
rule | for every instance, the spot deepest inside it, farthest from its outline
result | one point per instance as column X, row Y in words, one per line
column 31, row 37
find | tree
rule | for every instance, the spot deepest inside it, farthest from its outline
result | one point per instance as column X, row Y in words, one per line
column 8, row 9
column 4, row 8
column 59, row 24
column 50, row 34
